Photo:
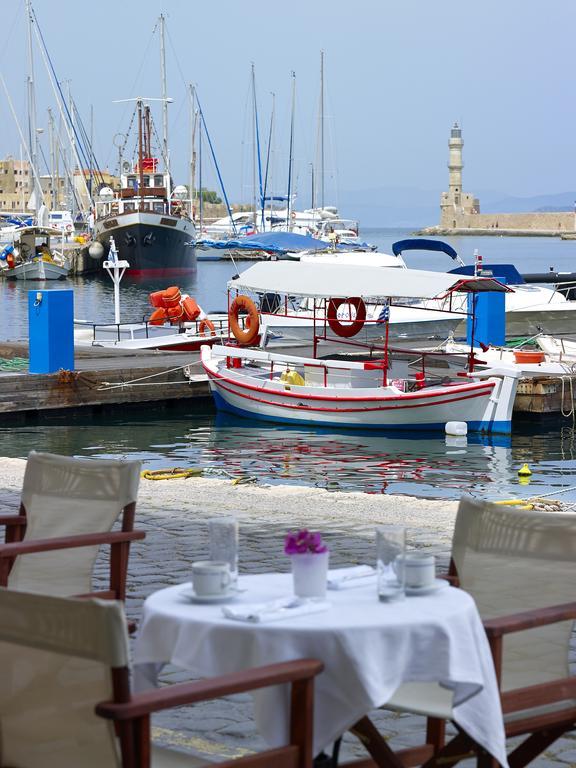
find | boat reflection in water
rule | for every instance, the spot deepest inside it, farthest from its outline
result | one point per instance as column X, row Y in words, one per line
column 427, row 466
column 362, row 461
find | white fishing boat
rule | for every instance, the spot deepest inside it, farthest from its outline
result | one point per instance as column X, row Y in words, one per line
column 185, row 337
column 31, row 256
column 370, row 394
column 177, row 322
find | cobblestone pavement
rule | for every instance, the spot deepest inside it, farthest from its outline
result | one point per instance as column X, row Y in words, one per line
column 174, row 517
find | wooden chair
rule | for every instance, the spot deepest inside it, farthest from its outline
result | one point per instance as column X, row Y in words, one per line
column 67, row 510
column 520, row 567
column 65, row 697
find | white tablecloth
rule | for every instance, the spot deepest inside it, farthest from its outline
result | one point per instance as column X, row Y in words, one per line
column 368, row 648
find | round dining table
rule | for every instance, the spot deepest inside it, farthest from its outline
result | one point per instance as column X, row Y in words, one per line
column 369, row 649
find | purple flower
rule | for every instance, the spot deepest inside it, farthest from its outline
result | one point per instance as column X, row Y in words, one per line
column 304, row 541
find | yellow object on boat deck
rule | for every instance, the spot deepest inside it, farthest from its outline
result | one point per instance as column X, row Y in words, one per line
column 172, row 473
column 520, row 503
column 292, row 377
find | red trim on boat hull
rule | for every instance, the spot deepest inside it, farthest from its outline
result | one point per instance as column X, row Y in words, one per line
column 481, row 389
column 310, row 408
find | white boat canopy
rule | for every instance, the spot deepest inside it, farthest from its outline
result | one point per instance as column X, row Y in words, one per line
column 344, row 281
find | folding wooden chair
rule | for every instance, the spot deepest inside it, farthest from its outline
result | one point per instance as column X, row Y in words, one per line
column 65, row 697
column 67, row 510
column 520, row 567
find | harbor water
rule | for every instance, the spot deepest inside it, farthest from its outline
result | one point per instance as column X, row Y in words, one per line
column 430, row 466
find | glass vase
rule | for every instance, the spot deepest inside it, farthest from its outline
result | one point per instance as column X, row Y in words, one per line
column 310, row 574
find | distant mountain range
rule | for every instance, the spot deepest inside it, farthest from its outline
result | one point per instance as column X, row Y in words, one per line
column 413, row 207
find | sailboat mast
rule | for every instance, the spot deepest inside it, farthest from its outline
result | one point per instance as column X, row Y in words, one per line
column 254, row 130
column 322, row 129
column 54, row 181
column 32, row 132
column 140, row 157
column 200, row 190
column 290, row 156
column 193, row 126
column 164, row 95
column 268, row 172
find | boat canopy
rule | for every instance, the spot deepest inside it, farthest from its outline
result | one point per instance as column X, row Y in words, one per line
column 38, row 231
column 507, row 273
column 421, row 244
column 271, row 242
column 343, row 280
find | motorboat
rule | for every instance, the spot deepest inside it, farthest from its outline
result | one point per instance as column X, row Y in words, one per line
column 531, row 308
column 374, row 393
column 31, row 255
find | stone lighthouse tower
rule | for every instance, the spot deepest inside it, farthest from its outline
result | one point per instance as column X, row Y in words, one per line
column 455, row 205
column 455, row 165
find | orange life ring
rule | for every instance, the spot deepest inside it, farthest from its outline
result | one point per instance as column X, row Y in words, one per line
column 352, row 328
column 250, row 333
column 206, row 324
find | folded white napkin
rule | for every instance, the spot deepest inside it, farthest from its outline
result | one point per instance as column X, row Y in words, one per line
column 275, row 610
column 348, row 578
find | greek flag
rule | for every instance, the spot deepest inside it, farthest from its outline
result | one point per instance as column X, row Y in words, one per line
column 384, row 315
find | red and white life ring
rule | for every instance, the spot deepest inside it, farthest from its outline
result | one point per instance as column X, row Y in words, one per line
column 355, row 325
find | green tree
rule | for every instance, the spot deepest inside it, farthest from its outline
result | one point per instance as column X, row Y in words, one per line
column 209, row 196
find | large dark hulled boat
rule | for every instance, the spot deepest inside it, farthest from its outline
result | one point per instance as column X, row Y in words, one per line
column 151, row 227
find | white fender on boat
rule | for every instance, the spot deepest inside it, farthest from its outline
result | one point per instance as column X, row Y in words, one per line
column 457, row 428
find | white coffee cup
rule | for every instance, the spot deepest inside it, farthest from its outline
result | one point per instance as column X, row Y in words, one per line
column 211, row 578
column 419, row 570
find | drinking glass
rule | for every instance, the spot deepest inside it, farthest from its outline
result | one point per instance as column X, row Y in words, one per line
column 223, row 536
column 390, row 548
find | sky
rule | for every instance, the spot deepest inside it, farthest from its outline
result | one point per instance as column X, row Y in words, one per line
column 397, row 75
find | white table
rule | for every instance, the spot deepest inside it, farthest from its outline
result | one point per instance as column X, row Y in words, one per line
column 368, row 648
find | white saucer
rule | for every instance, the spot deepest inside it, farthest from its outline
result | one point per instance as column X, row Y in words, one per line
column 436, row 585
column 210, row 599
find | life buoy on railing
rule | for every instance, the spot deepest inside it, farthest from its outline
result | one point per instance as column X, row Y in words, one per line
column 350, row 328
column 250, row 333
column 206, row 325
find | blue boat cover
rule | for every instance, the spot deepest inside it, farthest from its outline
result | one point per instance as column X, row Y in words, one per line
column 506, row 273
column 275, row 242
column 421, row 244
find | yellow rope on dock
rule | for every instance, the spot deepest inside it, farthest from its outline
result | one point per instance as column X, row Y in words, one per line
column 172, row 473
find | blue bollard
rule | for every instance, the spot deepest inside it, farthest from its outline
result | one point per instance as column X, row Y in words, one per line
column 51, row 331
column 490, row 325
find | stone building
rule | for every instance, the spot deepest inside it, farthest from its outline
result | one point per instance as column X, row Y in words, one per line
column 15, row 185
column 460, row 211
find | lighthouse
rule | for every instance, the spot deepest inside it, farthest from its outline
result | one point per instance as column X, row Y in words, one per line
column 455, row 165
column 455, row 205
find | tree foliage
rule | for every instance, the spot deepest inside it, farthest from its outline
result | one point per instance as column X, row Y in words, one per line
column 209, row 196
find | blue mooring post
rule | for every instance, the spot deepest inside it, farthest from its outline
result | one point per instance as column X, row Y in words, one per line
column 490, row 318
column 51, row 331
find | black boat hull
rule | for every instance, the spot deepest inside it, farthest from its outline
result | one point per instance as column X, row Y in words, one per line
column 154, row 245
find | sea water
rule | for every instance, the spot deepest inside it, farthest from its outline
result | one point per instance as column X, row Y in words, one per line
column 429, row 466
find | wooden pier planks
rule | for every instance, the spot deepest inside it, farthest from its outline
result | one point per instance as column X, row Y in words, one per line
column 95, row 380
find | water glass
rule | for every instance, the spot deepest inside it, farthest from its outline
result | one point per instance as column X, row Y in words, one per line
column 223, row 536
column 390, row 549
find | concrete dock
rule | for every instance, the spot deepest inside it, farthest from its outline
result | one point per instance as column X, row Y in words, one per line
column 100, row 379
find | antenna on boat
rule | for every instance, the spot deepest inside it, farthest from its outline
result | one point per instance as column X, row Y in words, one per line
column 115, row 269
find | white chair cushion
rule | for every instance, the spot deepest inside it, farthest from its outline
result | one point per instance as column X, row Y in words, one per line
column 428, row 699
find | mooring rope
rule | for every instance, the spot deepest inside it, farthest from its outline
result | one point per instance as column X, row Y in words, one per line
column 570, row 412
column 107, row 385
